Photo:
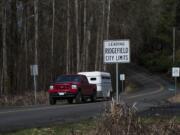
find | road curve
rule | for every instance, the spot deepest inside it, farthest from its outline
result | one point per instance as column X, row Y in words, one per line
column 152, row 91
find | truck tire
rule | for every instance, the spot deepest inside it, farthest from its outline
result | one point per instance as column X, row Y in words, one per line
column 70, row 100
column 78, row 98
column 93, row 97
column 52, row 101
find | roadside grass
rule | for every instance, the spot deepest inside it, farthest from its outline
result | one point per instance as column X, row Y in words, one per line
column 118, row 119
column 175, row 99
column 160, row 119
column 131, row 87
column 80, row 128
column 24, row 99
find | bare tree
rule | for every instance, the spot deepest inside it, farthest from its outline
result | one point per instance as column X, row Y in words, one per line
column 4, row 31
column 97, row 49
column 107, row 25
column 52, row 39
column 77, row 34
column 36, row 30
column 108, row 19
column 102, row 35
column 26, row 48
column 84, row 36
column 67, row 45
column 88, row 38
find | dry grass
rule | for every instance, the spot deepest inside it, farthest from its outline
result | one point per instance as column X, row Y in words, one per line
column 175, row 99
column 119, row 119
column 24, row 100
column 131, row 87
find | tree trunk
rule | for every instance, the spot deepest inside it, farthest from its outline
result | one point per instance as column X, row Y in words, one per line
column 36, row 30
column 107, row 26
column 26, row 49
column 52, row 40
column 97, row 50
column 102, row 37
column 77, row 35
column 108, row 19
column 1, row 83
column 84, row 37
column 36, row 2
column 4, row 31
column 67, row 46
column 88, row 35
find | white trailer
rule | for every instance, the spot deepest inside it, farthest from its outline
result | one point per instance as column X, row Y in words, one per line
column 102, row 81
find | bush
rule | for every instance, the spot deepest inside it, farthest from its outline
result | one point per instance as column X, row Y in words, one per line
column 24, row 100
column 156, row 62
column 119, row 119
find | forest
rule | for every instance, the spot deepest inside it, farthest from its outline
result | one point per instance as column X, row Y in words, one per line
column 66, row 36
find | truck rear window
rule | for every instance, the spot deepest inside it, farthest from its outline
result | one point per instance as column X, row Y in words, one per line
column 64, row 78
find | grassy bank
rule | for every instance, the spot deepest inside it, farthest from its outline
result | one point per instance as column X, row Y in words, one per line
column 81, row 127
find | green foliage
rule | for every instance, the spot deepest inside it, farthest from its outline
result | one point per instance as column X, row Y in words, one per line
column 156, row 62
column 177, row 58
column 166, row 21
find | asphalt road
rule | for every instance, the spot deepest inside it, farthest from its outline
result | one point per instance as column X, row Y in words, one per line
column 152, row 91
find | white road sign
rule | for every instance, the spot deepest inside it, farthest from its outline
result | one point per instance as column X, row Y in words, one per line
column 34, row 70
column 122, row 77
column 116, row 51
column 175, row 72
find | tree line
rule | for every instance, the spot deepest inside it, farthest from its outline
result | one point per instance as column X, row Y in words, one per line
column 66, row 36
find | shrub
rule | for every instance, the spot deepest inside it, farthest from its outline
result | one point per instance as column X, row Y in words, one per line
column 156, row 62
column 24, row 99
column 120, row 119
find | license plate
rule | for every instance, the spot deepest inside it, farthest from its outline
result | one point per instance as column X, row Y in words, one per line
column 61, row 94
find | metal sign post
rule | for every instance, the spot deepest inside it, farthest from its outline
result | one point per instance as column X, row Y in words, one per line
column 34, row 73
column 122, row 78
column 117, row 88
column 175, row 74
column 35, row 90
column 175, row 85
column 116, row 51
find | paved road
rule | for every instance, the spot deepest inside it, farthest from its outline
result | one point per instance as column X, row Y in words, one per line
column 39, row 116
column 152, row 89
column 152, row 92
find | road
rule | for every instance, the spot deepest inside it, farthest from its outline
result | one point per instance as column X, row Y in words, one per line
column 152, row 91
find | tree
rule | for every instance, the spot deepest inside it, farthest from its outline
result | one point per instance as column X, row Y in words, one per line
column 52, row 40
column 84, row 36
column 36, row 30
column 4, row 28
column 107, row 25
column 68, row 38
column 77, row 35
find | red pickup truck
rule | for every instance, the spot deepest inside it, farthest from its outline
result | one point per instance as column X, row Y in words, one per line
column 71, row 87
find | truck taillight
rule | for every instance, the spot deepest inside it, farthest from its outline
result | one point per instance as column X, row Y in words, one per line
column 73, row 86
column 51, row 87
